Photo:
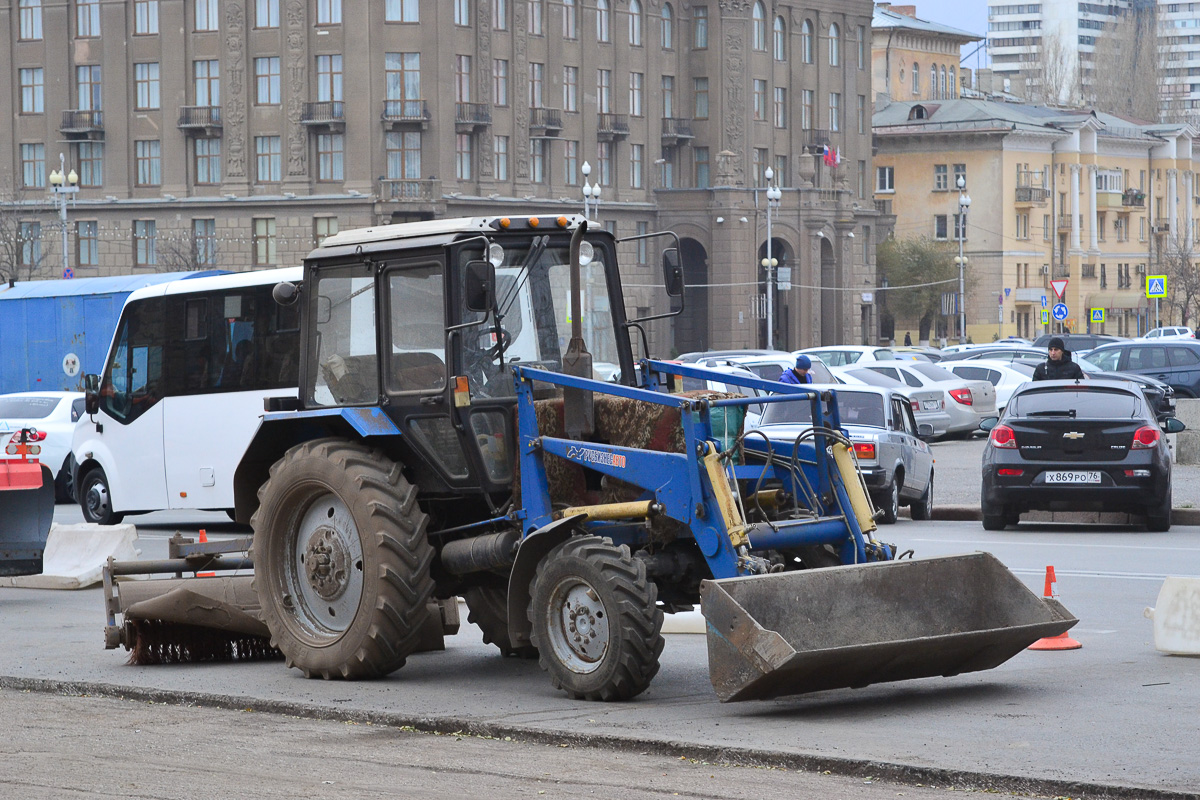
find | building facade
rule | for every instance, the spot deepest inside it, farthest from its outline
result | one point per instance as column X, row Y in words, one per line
column 913, row 58
column 232, row 134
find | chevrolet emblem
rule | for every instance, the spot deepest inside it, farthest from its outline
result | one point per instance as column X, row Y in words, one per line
column 1073, row 435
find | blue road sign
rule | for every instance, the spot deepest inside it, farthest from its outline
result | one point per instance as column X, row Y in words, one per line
column 1060, row 311
column 1156, row 286
column 1044, row 303
column 1007, row 292
column 68, row 273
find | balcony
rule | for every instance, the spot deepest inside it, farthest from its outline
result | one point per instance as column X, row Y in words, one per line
column 814, row 138
column 1060, row 271
column 544, row 121
column 1087, row 271
column 676, row 131
column 612, row 126
column 405, row 114
column 1064, row 222
column 1162, row 227
column 469, row 117
column 330, row 114
column 1031, row 195
column 1133, row 199
column 83, row 123
column 203, row 120
column 410, row 191
column 1109, row 200
column 883, row 206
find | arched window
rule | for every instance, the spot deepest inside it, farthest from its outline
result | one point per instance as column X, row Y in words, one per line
column 943, row 87
column 835, row 56
column 806, row 42
column 933, row 80
column 953, row 85
column 916, row 78
column 635, row 23
column 668, row 34
column 759, row 29
column 603, row 21
column 780, row 39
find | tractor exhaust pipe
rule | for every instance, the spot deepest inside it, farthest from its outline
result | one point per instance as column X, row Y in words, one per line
column 578, row 406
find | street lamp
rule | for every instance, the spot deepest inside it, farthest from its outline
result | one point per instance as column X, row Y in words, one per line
column 774, row 194
column 590, row 192
column 964, row 203
column 63, row 184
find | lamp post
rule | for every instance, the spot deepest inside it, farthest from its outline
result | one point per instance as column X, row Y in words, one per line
column 590, row 193
column 964, row 203
column 773, row 196
column 63, row 184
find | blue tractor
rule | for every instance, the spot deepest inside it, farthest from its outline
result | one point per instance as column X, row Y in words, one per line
column 451, row 438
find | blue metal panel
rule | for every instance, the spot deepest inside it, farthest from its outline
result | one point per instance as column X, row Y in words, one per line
column 365, row 421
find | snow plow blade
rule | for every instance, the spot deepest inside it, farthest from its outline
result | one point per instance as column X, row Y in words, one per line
column 26, row 513
column 849, row 627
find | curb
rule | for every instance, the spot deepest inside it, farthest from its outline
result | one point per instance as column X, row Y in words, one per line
column 967, row 513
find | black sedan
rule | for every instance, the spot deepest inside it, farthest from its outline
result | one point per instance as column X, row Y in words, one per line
column 1093, row 445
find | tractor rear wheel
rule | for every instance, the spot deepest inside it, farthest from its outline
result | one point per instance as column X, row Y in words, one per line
column 341, row 561
column 596, row 624
column 488, row 609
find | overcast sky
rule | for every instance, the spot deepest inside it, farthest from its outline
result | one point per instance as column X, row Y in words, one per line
column 969, row 15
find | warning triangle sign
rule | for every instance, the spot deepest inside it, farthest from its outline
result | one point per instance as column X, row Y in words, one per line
column 1059, row 286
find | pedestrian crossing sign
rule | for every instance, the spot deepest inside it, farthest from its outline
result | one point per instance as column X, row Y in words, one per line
column 1156, row 286
column 1045, row 316
column 1097, row 315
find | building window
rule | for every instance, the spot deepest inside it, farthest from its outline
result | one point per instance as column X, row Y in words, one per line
column 885, row 179
column 806, row 42
column 780, row 39
column 701, row 92
column 204, row 242
column 570, row 18
column 462, row 79
column 500, row 153
column 1045, row 227
column 329, row 12
column 759, row 166
column 668, row 96
column 145, row 17
column 500, row 82
column 1022, row 226
column 780, row 107
column 401, row 11
column 33, row 166
column 208, row 161
column 91, row 164
column 939, row 226
column 835, row 55
column 861, row 113
column 758, row 30
column 208, row 82
column 403, row 81
column 323, row 228
column 207, row 15
column 87, row 244
column 329, row 79
column 604, row 91
column 916, row 78
column 570, row 88
column 462, row 12
column 636, row 159
column 941, row 178
column 603, row 21
column 330, row 150
column 148, row 159
column 87, row 81
column 500, row 15
column 700, row 27
column 537, row 82
column 403, row 155
column 861, row 45
column 268, row 154
column 537, row 160
column 666, row 28
column 604, row 159
column 87, row 18
column 700, row 162
column 29, row 236
column 781, row 171
column 760, row 99
column 635, row 23
column 145, row 81
column 637, row 82
column 266, row 76
column 668, row 170
column 33, row 94
column 960, row 226
column 145, row 241
column 862, row 179
column 835, row 111
column 960, row 171
column 266, row 13
column 31, row 20
column 571, row 163
column 537, row 17
column 807, row 103
column 462, row 156
column 264, row 241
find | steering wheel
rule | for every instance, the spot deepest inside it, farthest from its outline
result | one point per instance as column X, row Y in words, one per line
column 501, row 344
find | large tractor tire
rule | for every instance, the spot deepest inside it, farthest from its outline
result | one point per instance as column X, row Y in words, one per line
column 596, row 623
column 96, row 500
column 487, row 608
column 341, row 561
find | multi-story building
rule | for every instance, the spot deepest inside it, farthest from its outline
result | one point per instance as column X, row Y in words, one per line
column 913, row 58
column 1055, row 195
column 237, row 134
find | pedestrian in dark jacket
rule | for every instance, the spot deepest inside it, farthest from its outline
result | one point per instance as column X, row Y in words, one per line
column 798, row 374
column 1058, row 365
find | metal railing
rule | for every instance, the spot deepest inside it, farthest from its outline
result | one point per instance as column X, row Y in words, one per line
column 545, row 118
column 199, row 117
column 405, row 111
column 614, row 124
column 883, row 206
column 413, row 191
column 677, row 127
column 473, row 113
column 1134, row 199
column 322, row 112
column 1031, row 194
column 81, row 121
column 1060, row 271
column 815, row 137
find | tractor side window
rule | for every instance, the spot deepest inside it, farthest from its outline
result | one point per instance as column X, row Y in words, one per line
column 133, row 377
column 417, row 320
column 347, row 371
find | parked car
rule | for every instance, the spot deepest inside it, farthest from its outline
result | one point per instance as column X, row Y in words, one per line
column 1170, row 333
column 840, row 355
column 893, row 456
column 688, row 358
column 1174, row 362
column 771, row 367
column 1077, row 342
column 928, row 405
column 753, row 413
column 53, row 414
column 968, row 402
column 1002, row 353
column 1077, row 446
column 1006, row 376
column 915, row 353
column 1161, row 395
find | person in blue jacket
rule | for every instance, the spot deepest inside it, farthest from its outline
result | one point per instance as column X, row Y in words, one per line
column 799, row 373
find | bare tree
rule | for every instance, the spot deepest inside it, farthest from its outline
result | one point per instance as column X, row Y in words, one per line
column 1055, row 78
column 1127, row 71
column 918, row 272
column 23, row 228
column 1180, row 264
column 186, row 252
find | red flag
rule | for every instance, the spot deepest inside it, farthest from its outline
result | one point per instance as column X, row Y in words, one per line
column 828, row 156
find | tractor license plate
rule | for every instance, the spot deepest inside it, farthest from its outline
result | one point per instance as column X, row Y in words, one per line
column 929, row 405
column 1072, row 477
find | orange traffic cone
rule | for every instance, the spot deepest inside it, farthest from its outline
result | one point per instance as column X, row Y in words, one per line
column 204, row 540
column 1062, row 641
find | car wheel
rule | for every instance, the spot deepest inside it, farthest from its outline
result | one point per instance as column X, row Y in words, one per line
column 994, row 519
column 923, row 509
column 891, row 503
column 64, row 486
column 1158, row 518
column 95, row 499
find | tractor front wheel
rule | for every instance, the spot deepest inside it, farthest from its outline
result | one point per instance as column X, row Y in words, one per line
column 487, row 608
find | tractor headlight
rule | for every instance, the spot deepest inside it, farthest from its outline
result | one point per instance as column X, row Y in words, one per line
column 495, row 254
column 586, row 253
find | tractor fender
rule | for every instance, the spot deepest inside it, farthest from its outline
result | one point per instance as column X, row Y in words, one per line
column 533, row 549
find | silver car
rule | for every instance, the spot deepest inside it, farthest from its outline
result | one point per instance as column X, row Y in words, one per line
column 893, row 457
column 969, row 402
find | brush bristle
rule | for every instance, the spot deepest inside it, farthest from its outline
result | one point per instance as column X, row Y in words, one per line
column 158, row 642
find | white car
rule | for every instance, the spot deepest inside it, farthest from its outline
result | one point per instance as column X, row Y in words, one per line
column 771, row 367
column 969, row 402
column 841, row 355
column 1172, row 332
column 1006, row 376
column 51, row 413
column 928, row 405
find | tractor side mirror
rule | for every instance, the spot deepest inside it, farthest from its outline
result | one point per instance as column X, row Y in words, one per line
column 481, row 286
column 91, row 397
column 672, row 272
column 285, row 293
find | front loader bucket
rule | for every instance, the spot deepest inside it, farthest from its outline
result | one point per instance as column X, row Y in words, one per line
column 26, row 513
column 849, row 627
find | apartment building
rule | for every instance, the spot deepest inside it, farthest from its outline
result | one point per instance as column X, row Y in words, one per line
column 239, row 133
column 914, row 58
column 1055, row 195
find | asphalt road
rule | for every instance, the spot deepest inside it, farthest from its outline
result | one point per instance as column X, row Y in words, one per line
column 1115, row 718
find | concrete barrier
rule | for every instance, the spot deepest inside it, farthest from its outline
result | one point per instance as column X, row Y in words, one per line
column 1187, row 444
column 1176, row 617
column 75, row 555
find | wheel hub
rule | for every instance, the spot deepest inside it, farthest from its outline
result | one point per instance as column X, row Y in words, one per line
column 97, row 499
column 584, row 624
column 326, row 563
